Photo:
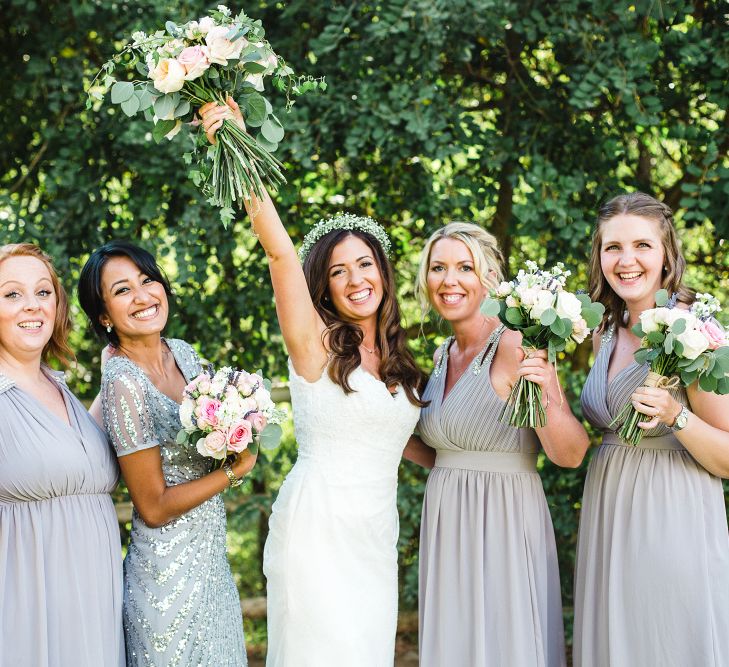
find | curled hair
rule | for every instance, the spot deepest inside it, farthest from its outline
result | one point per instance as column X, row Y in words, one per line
column 644, row 206
column 484, row 249
column 397, row 365
column 57, row 347
column 89, row 282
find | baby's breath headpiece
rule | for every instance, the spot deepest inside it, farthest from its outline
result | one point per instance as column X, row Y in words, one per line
column 344, row 221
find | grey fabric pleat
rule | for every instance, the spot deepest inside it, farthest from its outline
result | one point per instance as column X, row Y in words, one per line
column 652, row 574
column 489, row 579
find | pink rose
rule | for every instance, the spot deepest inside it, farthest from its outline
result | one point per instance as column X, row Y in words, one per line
column 239, row 436
column 195, row 61
column 213, row 444
column 208, row 412
column 714, row 333
column 258, row 421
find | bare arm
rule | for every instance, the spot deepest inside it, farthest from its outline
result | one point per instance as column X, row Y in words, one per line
column 301, row 326
column 158, row 503
column 416, row 451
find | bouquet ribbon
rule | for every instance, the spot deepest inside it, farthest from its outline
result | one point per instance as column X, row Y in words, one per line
column 661, row 381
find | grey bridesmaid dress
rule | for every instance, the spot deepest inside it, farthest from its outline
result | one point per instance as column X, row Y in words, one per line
column 60, row 555
column 489, row 579
column 181, row 606
column 652, row 573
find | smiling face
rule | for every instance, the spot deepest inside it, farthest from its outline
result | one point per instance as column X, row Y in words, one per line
column 354, row 280
column 28, row 304
column 632, row 258
column 454, row 287
column 136, row 305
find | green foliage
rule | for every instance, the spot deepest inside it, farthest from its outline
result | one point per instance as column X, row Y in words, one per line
column 521, row 116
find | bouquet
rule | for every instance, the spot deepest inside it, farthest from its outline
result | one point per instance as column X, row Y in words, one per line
column 227, row 412
column 187, row 65
column 537, row 304
column 681, row 346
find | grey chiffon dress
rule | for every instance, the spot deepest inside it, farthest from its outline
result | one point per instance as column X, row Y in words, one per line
column 652, row 573
column 489, row 578
column 181, row 606
column 60, row 555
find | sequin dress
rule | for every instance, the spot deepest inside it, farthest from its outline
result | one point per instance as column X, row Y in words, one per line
column 181, row 606
column 60, row 556
column 652, row 574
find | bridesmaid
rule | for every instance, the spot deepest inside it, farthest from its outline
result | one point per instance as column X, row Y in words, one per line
column 60, row 556
column 489, row 579
column 652, row 579
column 181, row 606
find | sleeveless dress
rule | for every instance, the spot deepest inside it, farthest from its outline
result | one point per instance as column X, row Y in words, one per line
column 181, row 606
column 489, row 578
column 331, row 554
column 652, row 573
column 60, row 555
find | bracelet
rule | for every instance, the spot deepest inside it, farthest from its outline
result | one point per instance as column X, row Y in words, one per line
column 232, row 479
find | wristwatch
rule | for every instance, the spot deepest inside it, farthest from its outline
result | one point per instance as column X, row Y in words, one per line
column 681, row 419
column 234, row 481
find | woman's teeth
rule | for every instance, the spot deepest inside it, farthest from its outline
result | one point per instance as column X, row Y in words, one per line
column 630, row 276
column 360, row 296
column 30, row 325
column 452, row 298
column 145, row 313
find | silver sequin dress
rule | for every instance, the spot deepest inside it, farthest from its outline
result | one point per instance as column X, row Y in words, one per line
column 181, row 606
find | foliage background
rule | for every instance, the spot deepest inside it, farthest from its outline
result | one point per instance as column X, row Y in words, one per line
column 519, row 115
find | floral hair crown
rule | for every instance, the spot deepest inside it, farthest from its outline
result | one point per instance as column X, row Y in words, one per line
column 344, row 221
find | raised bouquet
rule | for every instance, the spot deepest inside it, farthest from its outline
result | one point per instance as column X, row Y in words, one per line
column 537, row 304
column 229, row 411
column 680, row 346
column 186, row 65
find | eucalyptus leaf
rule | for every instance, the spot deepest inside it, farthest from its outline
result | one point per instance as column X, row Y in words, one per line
column 182, row 437
column 182, row 109
column 162, row 128
column 272, row 131
column 146, row 100
column 130, row 106
column 270, row 436
column 164, row 107
column 265, row 144
column 490, row 307
column 548, row 316
column 121, row 91
column 661, row 298
column 678, row 327
column 514, row 316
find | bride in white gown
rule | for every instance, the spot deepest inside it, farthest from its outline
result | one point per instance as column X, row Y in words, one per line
column 331, row 554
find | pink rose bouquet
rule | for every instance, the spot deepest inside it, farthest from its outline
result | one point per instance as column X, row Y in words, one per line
column 681, row 346
column 180, row 68
column 229, row 411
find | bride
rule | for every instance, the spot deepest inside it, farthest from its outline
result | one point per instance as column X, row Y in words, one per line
column 331, row 554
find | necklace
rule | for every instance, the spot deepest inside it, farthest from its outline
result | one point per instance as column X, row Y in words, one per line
column 367, row 349
column 477, row 363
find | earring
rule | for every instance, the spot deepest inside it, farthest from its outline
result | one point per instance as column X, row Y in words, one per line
column 108, row 328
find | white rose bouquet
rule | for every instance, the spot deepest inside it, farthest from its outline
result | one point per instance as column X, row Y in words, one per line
column 187, row 65
column 681, row 346
column 537, row 304
column 229, row 411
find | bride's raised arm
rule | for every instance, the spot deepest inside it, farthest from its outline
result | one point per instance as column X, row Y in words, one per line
column 301, row 325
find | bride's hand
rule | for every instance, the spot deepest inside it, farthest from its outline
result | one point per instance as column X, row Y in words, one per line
column 213, row 115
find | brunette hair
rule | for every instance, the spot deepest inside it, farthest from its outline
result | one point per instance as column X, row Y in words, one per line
column 397, row 365
column 674, row 263
column 484, row 249
column 57, row 347
column 89, row 282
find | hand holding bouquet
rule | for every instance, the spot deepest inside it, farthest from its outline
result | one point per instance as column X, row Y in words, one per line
column 190, row 64
column 229, row 411
column 537, row 304
column 681, row 346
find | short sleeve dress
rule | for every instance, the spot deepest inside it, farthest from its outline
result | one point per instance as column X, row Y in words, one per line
column 181, row 605
column 60, row 555
column 652, row 572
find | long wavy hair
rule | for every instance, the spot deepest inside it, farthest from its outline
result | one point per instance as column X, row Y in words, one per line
column 397, row 365
column 674, row 263
column 57, row 347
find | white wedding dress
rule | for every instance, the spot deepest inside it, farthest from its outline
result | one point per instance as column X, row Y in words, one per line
column 331, row 554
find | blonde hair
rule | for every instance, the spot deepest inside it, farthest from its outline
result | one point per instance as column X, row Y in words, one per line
column 57, row 347
column 674, row 263
column 484, row 249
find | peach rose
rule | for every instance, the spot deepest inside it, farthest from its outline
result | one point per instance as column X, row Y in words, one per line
column 168, row 76
column 213, row 444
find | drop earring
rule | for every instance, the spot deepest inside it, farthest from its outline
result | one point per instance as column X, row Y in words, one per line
column 108, row 328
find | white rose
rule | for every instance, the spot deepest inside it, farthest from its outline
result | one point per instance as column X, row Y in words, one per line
column 204, row 25
column 221, row 48
column 649, row 320
column 580, row 330
column 569, row 306
column 256, row 80
column 186, row 410
column 544, row 301
column 168, row 76
column 511, row 302
column 694, row 343
column 504, row 289
column 528, row 295
column 674, row 314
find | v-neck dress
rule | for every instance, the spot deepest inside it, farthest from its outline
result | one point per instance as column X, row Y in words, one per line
column 60, row 555
column 181, row 606
column 489, row 578
column 652, row 573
